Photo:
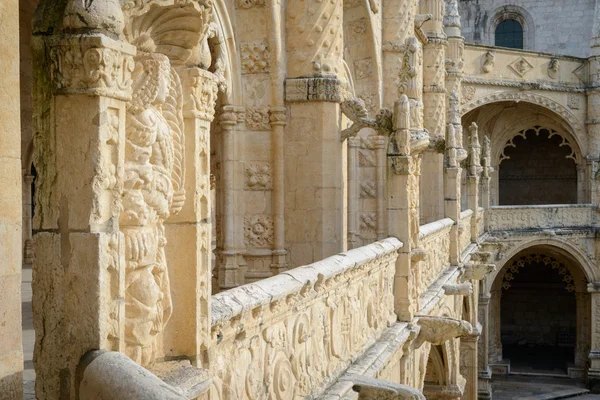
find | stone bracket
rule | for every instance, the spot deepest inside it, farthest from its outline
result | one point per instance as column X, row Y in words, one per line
column 372, row 389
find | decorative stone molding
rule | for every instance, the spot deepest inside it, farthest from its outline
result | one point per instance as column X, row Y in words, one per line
column 258, row 176
column 366, row 158
column 468, row 92
column 255, row 57
column 525, row 85
column 529, row 259
column 368, row 190
column 368, row 222
column 521, row 66
column 246, row 4
column 371, row 388
column 292, row 334
column 315, row 89
column 94, row 65
column 574, row 101
column 458, row 289
column 436, row 330
column 257, row 119
column 477, row 271
column 537, row 130
column 363, row 68
column 258, row 231
column 502, row 218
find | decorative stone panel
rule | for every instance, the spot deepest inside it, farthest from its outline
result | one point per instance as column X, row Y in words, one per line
column 255, row 57
column 258, row 176
column 258, row 231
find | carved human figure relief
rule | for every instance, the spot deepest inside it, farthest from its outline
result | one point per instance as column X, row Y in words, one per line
column 153, row 190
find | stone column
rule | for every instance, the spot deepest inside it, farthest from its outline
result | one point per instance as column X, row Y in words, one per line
column 379, row 145
column 27, row 223
column 484, row 389
column 495, row 341
column 403, row 207
column 474, row 169
column 231, row 263
column 315, row 155
column 594, row 356
column 11, row 351
column 582, row 338
column 485, row 174
column 79, row 270
column 434, row 105
column 189, row 232
column 452, row 176
column 353, row 192
column 278, row 121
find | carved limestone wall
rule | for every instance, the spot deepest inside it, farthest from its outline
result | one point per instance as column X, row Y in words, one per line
column 293, row 334
column 538, row 217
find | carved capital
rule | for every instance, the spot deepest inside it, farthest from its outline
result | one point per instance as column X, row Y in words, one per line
column 228, row 118
column 277, row 116
column 200, row 89
column 95, row 65
column 436, row 330
column 478, row 271
column 459, row 289
column 315, row 89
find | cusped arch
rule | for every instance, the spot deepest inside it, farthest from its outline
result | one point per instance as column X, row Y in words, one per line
column 573, row 123
column 564, row 247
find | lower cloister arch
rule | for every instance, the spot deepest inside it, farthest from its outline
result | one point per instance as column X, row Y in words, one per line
column 540, row 309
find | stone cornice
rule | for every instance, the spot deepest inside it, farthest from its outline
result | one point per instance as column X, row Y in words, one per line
column 525, row 85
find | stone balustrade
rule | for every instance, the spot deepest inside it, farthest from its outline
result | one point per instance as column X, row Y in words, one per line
column 501, row 218
column 435, row 241
column 293, row 334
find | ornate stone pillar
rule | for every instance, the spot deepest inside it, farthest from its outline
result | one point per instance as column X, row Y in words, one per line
column 189, row 232
column 485, row 174
column 495, row 342
column 473, row 172
column 79, row 272
column 316, row 217
column 484, row 389
column 231, row 273
column 452, row 175
column 354, row 144
column 582, row 343
column 403, row 206
column 27, row 220
column 11, row 350
column 379, row 145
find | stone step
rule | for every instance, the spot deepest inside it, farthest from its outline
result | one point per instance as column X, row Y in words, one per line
column 561, row 394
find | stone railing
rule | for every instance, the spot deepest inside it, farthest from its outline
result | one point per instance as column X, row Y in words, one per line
column 435, row 240
column 464, row 230
column 506, row 67
column 504, row 218
column 291, row 335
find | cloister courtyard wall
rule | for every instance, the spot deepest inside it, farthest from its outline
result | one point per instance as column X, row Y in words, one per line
column 302, row 199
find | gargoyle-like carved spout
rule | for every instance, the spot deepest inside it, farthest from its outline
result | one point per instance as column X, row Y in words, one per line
column 436, row 330
column 458, row 289
column 478, row 271
column 377, row 389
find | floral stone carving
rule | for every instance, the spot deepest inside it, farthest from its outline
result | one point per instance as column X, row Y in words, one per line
column 258, row 231
column 258, row 176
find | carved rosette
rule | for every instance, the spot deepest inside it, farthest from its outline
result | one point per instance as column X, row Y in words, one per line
column 93, row 65
column 258, row 231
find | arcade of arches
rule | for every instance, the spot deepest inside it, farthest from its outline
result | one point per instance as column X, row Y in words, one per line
column 250, row 199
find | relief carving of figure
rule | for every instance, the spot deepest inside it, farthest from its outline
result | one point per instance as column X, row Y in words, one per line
column 153, row 190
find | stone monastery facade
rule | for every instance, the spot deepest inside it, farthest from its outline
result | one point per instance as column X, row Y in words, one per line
column 299, row 199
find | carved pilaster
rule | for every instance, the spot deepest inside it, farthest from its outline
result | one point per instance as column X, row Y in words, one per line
column 278, row 120
column 354, row 143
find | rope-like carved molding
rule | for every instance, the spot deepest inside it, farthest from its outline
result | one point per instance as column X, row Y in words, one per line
column 516, row 267
column 531, row 85
column 537, row 129
column 531, row 98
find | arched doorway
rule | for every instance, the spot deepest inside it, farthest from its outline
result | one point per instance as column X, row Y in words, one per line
column 539, row 316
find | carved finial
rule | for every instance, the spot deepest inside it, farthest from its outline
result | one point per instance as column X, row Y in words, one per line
column 452, row 17
column 98, row 15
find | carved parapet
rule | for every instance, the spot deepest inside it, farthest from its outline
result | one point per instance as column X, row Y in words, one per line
column 315, row 89
column 478, row 271
column 95, row 65
column 436, row 330
column 459, row 289
column 377, row 389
